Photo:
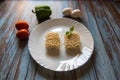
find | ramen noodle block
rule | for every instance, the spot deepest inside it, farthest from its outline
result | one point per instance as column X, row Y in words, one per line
column 72, row 43
column 52, row 43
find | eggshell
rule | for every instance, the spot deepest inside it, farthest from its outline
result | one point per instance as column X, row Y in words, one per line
column 76, row 13
column 67, row 11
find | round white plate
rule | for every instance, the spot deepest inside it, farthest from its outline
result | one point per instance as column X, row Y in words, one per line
column 62, row 62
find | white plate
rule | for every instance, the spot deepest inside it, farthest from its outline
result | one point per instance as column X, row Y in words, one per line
column 62, row 62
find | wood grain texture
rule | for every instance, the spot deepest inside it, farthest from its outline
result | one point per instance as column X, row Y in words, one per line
column 102, row 18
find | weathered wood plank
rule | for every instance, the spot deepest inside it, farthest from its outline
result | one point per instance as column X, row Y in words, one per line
column 109, row 39
column 31, row 70
column 100, row 17
column 22, row 64
column 7, row 54
column 104, row 56
column 105, row 63
column 88, row 69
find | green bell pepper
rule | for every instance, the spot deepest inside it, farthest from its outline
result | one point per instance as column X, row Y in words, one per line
column 42, row 11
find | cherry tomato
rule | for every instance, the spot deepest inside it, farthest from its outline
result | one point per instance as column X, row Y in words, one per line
column 22, row 34
column 21, row 25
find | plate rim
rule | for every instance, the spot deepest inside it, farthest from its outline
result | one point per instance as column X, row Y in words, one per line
column 58, row 19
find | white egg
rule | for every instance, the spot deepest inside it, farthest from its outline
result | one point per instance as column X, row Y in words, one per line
column 76, row 13
column 67, row 11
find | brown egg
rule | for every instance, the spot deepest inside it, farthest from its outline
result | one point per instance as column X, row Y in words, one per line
column 67, row 11
column 76, row 13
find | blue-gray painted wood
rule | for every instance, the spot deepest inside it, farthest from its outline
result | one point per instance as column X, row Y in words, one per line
column 102, row 18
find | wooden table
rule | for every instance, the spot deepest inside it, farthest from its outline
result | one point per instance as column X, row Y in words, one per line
column 101, row 18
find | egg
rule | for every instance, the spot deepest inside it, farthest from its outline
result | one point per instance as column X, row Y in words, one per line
column 76, row 13
column 67, row 11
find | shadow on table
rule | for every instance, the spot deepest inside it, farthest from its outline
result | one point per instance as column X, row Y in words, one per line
column 22, row 43
column 2, row 0
column 77, row 19
column 75, row 74
column 41, row 20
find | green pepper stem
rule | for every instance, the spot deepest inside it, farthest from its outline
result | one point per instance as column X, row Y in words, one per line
column 33, row 11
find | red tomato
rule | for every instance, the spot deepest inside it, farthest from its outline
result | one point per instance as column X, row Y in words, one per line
column 21, row 25
column 22, row 34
